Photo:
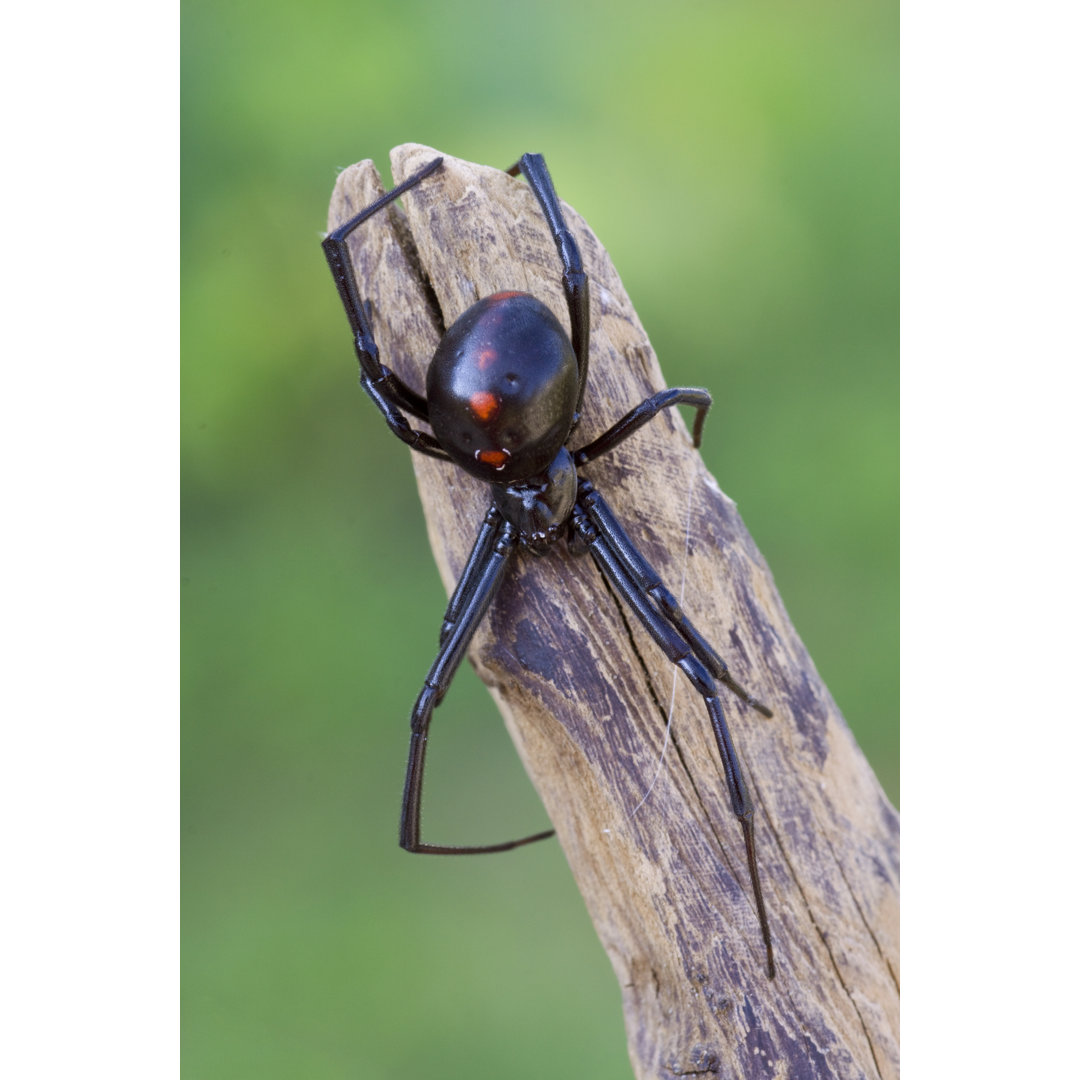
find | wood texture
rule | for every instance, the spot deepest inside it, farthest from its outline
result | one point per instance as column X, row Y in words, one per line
column 585, row 693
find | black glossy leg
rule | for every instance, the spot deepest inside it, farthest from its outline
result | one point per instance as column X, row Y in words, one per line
column 648, row 581
column 642, row 414
column 680, row 652
column 486, row 576
column 478, row 558
column 575, row 280
column 389, row 393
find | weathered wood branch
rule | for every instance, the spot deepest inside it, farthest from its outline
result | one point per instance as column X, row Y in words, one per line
column 585, row 692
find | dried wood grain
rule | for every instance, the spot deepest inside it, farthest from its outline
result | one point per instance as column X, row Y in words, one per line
column 585, row 693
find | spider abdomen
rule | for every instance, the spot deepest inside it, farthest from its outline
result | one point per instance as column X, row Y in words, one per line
column 502, row 388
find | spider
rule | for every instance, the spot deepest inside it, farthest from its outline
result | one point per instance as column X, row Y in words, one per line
column 504, row 395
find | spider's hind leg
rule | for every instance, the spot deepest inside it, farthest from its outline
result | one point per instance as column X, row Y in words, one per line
column 391, row 396
column 575, row 280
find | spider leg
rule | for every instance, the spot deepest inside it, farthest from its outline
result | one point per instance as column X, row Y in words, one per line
column 575, row 280
column 681, row 653
column 486, row 570
column 642, row 414
column 648, row 581
column 389, row 393
column 478, row 557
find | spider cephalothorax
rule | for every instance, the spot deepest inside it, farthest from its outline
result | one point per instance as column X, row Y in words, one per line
column 504, row 391
column 539, row 508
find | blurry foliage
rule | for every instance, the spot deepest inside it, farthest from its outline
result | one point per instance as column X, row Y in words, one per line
column 740, row 162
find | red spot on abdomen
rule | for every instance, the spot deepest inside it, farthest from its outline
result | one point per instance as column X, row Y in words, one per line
column 486, row 358
column 493, row 457
column 484, row 406
column 505, row 295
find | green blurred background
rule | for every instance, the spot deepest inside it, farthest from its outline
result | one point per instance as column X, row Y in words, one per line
column 740, row 163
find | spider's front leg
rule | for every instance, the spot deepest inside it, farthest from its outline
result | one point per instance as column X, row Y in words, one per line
column 648, row 581
column 478, row 557
column 645, row 577
column 612, row 551
column 480, row 581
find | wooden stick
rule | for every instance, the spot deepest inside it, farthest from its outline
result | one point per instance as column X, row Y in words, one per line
column 648, row 831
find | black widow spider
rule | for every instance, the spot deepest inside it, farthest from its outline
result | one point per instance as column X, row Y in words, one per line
column 504, row 394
